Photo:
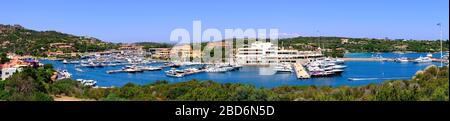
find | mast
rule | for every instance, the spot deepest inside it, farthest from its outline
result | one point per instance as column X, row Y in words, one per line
column 318, row 40
column 440, row 32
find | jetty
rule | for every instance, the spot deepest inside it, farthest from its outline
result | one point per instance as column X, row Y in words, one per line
column 301, row 72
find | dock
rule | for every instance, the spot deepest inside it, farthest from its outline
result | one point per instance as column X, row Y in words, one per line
column 301, row 72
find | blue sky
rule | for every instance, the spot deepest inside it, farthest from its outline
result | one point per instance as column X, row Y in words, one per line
column 139, row 20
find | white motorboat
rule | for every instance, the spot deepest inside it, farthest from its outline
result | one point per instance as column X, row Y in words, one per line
column 175, row 73
column 402, row 59
column 78, row 69
column 216, row 70
column 423, row 60
column 339, row 67
column 337, row 71
column 70, row 62
column 339, row 61
column 131, row 69
column 89, row 83
column 64, row 74
column 325, row 67
column 430, row 55
column 148, row 68
column 284, row 68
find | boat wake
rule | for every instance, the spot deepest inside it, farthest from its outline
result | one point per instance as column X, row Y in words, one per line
column 364, row 79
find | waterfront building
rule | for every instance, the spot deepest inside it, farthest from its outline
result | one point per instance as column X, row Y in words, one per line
column 55, row 54
column 6, row 72
column 159, row 53
column 130, row 47
column 262, row 53
column 184, row 53
column 61, row 45
column 344, row 41
column 15, row 64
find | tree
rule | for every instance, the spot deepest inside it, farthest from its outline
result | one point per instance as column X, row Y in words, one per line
column 3, row 58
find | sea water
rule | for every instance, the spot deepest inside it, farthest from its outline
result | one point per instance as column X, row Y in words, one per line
column 357, row 73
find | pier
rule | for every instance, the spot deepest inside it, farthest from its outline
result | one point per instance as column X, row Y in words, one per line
column 301, row 72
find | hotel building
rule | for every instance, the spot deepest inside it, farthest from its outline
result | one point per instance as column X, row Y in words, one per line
column 261, row 53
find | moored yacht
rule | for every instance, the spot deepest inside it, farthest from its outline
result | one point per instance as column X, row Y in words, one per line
column 215, row 70
column 131, row 69
column 175, row 73
column 402, row 59
column 284, row 68
column 149, row 68
column 423, row 60
column 89, row 83
column 325, row 67
column 173, row 65
column 64, row 74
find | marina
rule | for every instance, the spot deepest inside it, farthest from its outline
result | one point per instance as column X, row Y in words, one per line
column 354, row 72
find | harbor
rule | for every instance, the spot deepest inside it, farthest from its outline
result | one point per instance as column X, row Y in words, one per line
column 356, row 72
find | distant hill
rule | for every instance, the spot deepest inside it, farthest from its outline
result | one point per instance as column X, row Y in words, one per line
column 15, row 38
column 147, row 45
column 365, row 44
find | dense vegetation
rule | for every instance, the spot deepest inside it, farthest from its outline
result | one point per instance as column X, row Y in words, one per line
column 30, row 84
column 22, row 41
column 33, row 84
column 3, row 58
column 147, row 45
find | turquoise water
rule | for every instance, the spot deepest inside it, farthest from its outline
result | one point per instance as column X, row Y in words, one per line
column 363, row 72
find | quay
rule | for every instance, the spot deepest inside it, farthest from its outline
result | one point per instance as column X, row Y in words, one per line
column 301, row 72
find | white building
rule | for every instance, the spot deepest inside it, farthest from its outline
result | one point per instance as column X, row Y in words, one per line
column 260, row 53
column 7, row 72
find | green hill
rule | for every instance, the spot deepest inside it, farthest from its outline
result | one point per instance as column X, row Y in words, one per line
column 20, row 40
column 154, row 45
column 365, row 44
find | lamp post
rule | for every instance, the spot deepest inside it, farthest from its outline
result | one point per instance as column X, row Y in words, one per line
column 440, row 32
